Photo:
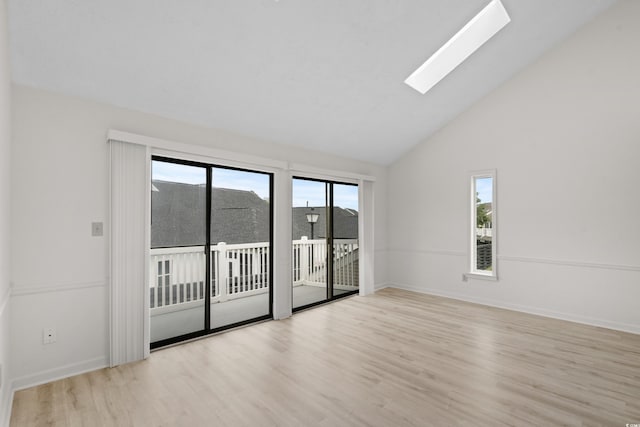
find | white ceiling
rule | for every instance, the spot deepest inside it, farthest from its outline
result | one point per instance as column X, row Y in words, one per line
column 322, row 74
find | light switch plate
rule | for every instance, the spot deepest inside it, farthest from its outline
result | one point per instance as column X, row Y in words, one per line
column 96, row 229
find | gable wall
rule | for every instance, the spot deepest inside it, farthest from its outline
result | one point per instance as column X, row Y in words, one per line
column 564, row 137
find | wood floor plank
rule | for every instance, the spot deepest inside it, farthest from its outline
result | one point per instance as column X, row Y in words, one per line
column 395, row 358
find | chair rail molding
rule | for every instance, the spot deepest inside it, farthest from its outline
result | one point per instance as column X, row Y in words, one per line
column 4, row 299
column 570, row 263
column 56, row 287
column 525, row 259
column 435, row 251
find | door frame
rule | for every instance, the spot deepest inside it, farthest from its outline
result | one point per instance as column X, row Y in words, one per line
column 207, row 330
column 329, row 242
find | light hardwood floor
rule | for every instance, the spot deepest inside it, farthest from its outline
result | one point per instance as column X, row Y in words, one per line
column 395, row 358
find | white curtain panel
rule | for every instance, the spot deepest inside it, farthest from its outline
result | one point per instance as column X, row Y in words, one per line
column 129, row 168
column 366, row 232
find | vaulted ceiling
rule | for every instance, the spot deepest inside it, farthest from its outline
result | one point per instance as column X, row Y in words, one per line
column 326, row 75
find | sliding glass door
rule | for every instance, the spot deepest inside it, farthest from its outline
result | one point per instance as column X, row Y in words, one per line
column 211, row 251
column 325, row 241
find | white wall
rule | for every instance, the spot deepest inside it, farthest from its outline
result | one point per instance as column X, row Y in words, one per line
column 60, row 185
column 564, row 136
column 5, row 149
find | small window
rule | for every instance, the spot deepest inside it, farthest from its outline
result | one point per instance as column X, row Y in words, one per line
column 483, row 224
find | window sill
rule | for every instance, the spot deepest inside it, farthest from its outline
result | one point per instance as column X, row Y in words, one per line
column 481, row 276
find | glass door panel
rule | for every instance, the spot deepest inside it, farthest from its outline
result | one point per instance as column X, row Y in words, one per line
column 345, row 239
column 240, row 246
column 211, row 251
column 177, row 266
column 309, row 217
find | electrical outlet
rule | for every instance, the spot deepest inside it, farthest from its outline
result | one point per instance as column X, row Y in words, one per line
column 96, row 229
column 464, row 277
column 49, row 336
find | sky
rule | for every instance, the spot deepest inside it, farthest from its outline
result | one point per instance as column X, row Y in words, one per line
column 344, row 196
column 313, row 192
column 484, row 189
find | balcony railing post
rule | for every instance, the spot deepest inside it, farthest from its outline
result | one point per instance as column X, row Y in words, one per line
column 223, row 272
column 304, row 259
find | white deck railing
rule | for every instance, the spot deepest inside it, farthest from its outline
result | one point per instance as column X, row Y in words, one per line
column 177, row 275
column 484, row 232
column 310, row 259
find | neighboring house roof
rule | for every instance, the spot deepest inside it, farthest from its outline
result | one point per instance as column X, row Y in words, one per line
column 177, row 212
column 345, row 223
column 238, row 216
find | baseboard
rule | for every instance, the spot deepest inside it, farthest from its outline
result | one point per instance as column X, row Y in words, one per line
column 602, row 323
column 66, row 371
column 380, row 286
column 6, row 398
column 5, row 408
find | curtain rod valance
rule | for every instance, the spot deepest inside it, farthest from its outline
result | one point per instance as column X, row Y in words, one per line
column 225, row 156
column 192, row 149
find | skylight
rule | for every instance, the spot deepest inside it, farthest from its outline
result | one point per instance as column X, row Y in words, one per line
column 477, row 32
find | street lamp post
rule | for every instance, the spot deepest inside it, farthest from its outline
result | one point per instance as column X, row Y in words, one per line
column 312, row 218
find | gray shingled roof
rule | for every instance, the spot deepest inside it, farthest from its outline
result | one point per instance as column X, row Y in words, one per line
column 345, row 223
column 238, row 216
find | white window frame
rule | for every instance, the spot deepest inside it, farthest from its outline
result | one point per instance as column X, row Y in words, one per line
column 473, row 253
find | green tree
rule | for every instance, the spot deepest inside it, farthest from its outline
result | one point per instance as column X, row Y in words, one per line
column 482, row 216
